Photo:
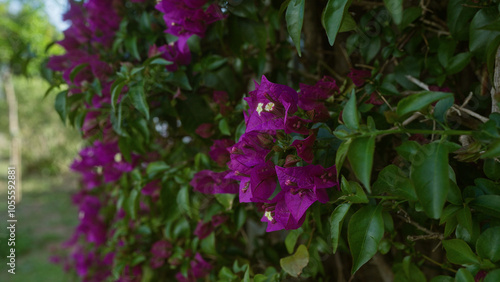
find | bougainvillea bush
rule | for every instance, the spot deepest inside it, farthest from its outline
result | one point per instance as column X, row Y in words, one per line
column 264, row 140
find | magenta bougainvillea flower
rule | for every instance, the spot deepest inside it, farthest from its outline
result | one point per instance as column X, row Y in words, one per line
column 152, row 189
column 101, row 159
column 209, row 182
column 270, row 104
column 297, row 125
column 199, row 269
column 301, row 186
column 221, row 98
column 250, row 151
column 203, row 229
column 160, row 251
column 186, row 18
column 305, row 148
column 205, row 130
column 359, row 77
column 312, row 98
column 218, row 151
column 278, row 216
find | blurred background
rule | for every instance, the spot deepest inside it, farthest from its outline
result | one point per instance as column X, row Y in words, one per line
column 45, row 214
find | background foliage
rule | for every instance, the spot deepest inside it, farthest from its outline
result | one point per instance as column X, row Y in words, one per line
column 400, row 97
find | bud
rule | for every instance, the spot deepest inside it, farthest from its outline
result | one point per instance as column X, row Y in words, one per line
column 291, row 161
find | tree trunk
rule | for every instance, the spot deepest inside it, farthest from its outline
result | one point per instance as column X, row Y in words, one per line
column 15, row 149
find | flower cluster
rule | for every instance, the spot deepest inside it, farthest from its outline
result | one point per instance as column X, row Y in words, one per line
column 273, row 110
column 184, row 19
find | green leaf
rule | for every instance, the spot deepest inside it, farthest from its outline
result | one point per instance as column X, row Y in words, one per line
column 224, row 127
column 131, row 46
column 76, row 70
column 458, row 18
column 442, row 278
column 464, row 218
column 395, row 7
column 491, row 169
column 429, row 173
column 226, row 200
column 61, row 105
column 458, row 63
column 365, row 231
column 493, row 151
column 183, row 203
column 295, row 263
column 116, row 90
column 133, row 203
column 478, row 37
column 294, row 19
column 160, row 61
column 138, row 97
column 442, row 106
column 336, row 221
column 394, row 181
column 155, row 168
column 458, row 252
column 464, row 275
column 342, row 154
column 419, row 101
column 493, row 276
column 355, row 195
column 488, row 204
column 350, row 114
column 361, row 158
column 488, row 244
column 348, row 23
column 291, row 239
column 332, row 18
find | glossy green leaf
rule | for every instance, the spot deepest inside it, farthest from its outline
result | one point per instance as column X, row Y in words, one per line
column 487, row 204
column 478, row 37
column 429, row 173
column 342, row 154
column 332, row 18
column 361, row 158
column 291, row 239
column 350, row 114
column 336, row 221
column 395, row 7
column 116, row 90
column 419, row 101
column 458, row 62
column 458, row 252
column 133, row 203
column 160, row 61
column 224, row 127
column 488, row 244
column 138, row 97
column 395, row 182
column 60, row 105
column 464, row 275
column 458, row 17
column 492, row 276
column 464, row 218
column 365, row 231
column 348, row 23
column 294, row 19
column 295, row 263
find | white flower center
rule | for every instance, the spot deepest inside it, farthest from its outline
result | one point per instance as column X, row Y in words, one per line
column 259, row 108
column 269, row 107
column 268, row 215
column 118, row 157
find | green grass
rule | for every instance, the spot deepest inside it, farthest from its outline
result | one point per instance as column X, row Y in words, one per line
column 45, row 219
